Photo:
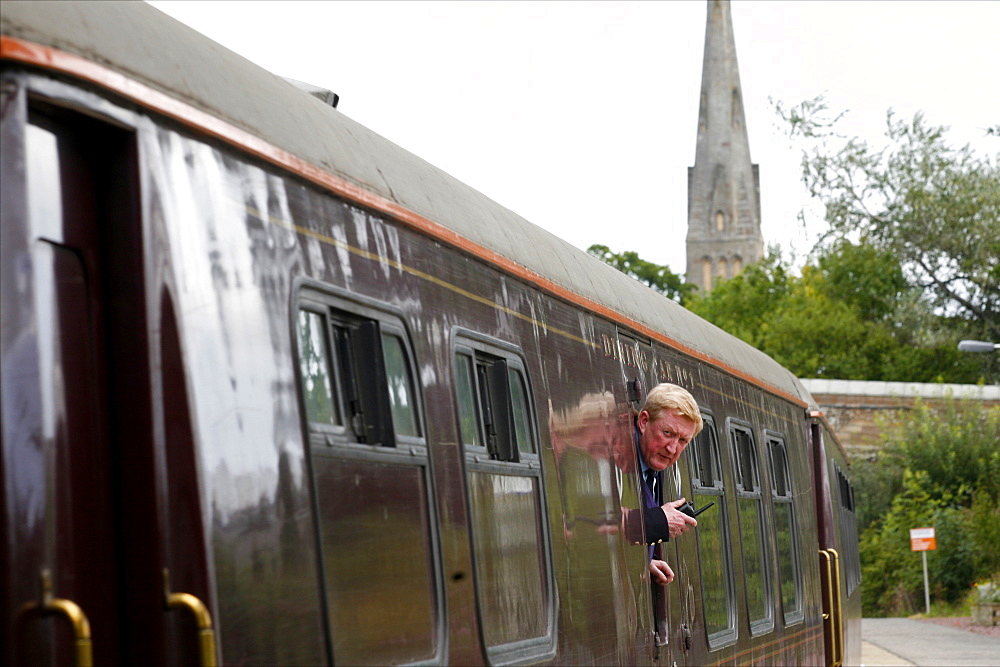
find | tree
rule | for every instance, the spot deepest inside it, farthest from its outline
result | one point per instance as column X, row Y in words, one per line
column 839, row 319
column 744, row 303
column 905, row 340
column 656, row 276
column 933, row 207
column 864, row 277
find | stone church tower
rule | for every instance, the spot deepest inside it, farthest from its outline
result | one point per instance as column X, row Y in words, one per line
column 723, row 185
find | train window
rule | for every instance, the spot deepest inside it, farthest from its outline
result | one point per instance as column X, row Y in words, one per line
column 714, row 545
column 374, row 498
column 519, row 404
column 466, row 397
column 357, row 367
column 400, row 384
column 848, row 531
column 493, row 405
column 513, row 565
column 315, row 367
column 785, row 530
column 750, row 509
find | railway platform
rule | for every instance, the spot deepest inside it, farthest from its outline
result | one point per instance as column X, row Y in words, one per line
column 904, row 641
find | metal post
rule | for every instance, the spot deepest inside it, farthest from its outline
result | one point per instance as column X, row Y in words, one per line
column 927, row 589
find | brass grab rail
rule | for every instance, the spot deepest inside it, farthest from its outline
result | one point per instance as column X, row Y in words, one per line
column 833, row 614
column 48, row 604
column 202, row 618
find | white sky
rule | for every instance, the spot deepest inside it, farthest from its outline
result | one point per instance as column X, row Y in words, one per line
column 581, row 116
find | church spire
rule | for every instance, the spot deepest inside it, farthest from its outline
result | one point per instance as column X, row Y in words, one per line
column 723, row 185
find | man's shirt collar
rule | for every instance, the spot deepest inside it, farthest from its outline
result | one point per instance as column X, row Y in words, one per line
column 638, row 452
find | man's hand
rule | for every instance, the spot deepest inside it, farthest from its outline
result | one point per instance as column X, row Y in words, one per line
column 678, row 523
column 660, row 572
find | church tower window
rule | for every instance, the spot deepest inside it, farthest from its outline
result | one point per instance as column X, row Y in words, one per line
column 721, row 268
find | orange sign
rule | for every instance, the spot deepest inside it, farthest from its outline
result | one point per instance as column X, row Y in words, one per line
column 922, row 539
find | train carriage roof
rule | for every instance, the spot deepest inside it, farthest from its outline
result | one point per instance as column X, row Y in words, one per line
column 144, row 45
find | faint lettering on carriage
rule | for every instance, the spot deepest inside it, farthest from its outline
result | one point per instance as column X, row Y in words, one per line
column 634, row 355
column 629, row 353
column 666, row 371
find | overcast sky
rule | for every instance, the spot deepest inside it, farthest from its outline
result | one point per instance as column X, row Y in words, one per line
column 581, row 116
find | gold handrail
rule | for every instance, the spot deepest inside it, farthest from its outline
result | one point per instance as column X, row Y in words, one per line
column 839, row 618
column 49, row 604
column 202, row 618
column 830, row 614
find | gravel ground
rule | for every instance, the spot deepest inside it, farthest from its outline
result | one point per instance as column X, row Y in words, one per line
column 965, row 623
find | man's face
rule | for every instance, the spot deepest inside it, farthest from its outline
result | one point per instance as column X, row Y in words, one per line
column 662, row 440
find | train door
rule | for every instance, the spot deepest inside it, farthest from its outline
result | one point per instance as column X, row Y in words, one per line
column 828, row 554
column 87, row 560
column 680, row 554
column 672, row 608
column 635, row 357
column 840, row 569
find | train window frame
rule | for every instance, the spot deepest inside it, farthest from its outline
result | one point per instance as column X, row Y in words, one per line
column 717, row 489
column 503, row 461
column 783, row 493
column 492, row 370
column 355, row 333
column 756, row 492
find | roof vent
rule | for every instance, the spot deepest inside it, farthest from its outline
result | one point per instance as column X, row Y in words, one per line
column 322, row 94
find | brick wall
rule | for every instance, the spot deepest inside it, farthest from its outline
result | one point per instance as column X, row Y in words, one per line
column 853, row 408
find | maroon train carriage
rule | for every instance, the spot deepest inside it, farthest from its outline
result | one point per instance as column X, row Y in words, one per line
column 275, row 391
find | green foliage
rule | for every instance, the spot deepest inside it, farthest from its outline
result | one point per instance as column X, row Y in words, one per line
column 742, row 305
column 877, row 483
column 891, row 576
column 865, row 278
column 839, row 319
column 938, row 466
column 656, row 276
column 984, row 526
column 936, row 209
column 955, row 443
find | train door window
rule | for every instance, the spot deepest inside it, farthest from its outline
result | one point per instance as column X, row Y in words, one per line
column 714, row 545
column 848, row 530
column 466, row 397
column 493, row 405
column 400, row 382
column 374, row 496
column 358, row 367
column 750, row 509
column 785, row 530
column 315, row 367
column 513, row 565
column 519, row 405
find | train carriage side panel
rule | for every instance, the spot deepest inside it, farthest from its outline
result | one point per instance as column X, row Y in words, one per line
column 838, row 545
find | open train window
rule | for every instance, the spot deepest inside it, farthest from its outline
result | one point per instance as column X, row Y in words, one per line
column 372, row 481
column 785, row 530
column 493, row 405
column 714, row 545
column 357, row 377
column 513, row 565
column 753, row 533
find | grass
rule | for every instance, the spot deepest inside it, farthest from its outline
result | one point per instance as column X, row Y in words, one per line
column 941, row 609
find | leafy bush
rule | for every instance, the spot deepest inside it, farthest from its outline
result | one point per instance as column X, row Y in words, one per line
column 938, row 466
